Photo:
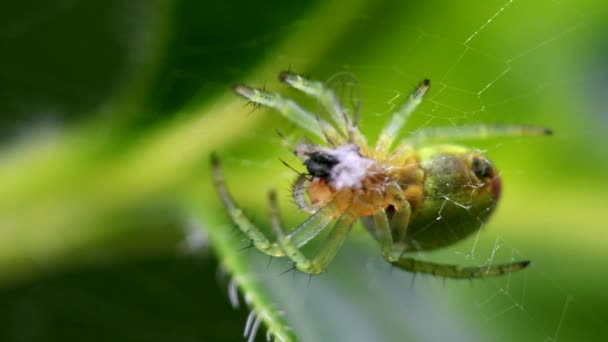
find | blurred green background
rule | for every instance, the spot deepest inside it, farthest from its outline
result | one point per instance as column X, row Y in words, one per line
column 109, row 226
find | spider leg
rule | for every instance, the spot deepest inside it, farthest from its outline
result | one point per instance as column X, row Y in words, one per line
column 400, row 221
column 471, row 132
column 257, row 237
column 315, row 224
column 284, row 242
column 459, row 272
column 392, row 251
column 391, row 130
column 330, row 101
column 290, row 110
column 386, row 230
column 332, row 244
column 317, row 89
column 384, row 236
column 403, row 211
column 299, row 195
column 290, row 245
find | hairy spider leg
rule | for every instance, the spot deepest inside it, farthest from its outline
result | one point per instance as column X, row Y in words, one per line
column 436, row 134
column 328, row 250
column 328, row 99
column 306, row 231
column 459, row 272
column 286, row 244
column 257, row 237
column 299, row 194
column 313, row 225
column 332, row 243
column 290, row 110
column 391, row 130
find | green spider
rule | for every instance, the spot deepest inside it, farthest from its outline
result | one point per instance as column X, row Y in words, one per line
column 410, row 198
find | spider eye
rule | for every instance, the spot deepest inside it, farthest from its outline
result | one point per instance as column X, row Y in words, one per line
column 320, row 164
column 482, row 168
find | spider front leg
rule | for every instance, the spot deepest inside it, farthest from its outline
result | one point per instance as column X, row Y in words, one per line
column 290, row 110
column 286, row 243
column 290, row 243
column 309, row 229
column 299, row 236
column 327, row 97
column 237, row 216
column 322, row 93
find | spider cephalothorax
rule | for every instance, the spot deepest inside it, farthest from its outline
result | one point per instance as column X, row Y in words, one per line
column 410, row 198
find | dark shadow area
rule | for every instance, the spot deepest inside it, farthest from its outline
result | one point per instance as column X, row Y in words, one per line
column 170, row 298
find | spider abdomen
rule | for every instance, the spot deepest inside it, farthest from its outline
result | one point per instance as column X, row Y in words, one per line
column 457, row 198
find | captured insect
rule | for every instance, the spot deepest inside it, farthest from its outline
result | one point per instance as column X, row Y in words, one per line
column 417, row 196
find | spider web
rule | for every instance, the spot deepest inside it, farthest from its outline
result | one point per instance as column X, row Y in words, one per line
column 499, row 62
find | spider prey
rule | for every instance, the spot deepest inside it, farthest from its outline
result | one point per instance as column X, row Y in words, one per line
column 412, row 197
